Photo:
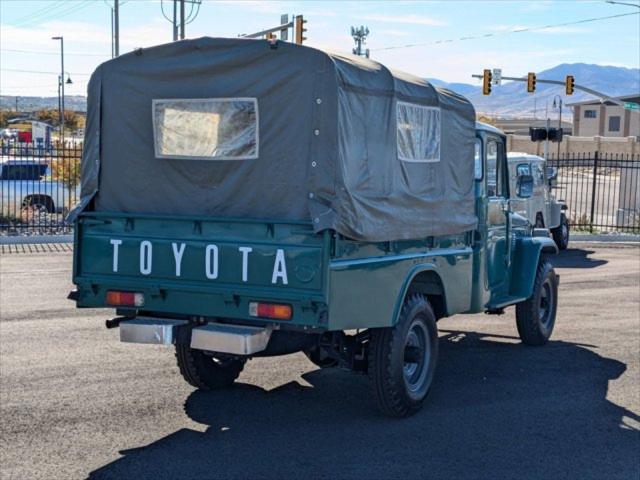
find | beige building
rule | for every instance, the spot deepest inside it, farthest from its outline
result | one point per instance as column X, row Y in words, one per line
column 593, row 118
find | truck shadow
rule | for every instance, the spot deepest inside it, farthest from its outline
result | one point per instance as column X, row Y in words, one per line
column 576, row 258
column 498, row 409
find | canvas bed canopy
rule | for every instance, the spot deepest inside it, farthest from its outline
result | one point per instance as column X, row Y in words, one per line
column 245, row 128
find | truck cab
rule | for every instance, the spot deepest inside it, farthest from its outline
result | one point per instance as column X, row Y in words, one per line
column 542, row 209
column 375, row 223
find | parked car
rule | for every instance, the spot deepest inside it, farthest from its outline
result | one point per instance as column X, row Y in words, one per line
column 344, row 220
column 27, row 183
column 542, row 209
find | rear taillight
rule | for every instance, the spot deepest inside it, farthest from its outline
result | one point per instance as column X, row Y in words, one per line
column 125, row 299
column 270, row 310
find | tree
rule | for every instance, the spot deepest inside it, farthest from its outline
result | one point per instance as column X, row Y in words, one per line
column 485, row 119
column 52, row 116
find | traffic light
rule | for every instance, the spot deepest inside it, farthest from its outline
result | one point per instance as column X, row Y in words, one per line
column 537, row 134
column 300, row 29
column 555, row 134
column 569, row 85
column 486, row 82
column 531, row 82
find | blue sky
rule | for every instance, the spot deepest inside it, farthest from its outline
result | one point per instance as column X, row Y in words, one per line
column 28, row 25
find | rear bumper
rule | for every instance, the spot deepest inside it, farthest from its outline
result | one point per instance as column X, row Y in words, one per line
column 309, row 309
column 212, row 337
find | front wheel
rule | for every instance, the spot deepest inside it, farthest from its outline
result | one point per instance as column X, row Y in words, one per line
column 536, row 316
column 402, row 359
column 561, row 233
column 204, row 370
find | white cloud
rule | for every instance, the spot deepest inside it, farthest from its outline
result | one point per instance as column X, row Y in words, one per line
column 411, row 19
column 393, row 33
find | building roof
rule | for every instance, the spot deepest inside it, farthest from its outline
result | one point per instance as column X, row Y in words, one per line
column 27, row 120
column 634, row 98
column 520, row 126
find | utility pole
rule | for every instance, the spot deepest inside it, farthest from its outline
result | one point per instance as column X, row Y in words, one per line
column 16, row 104
column 359, row 35
column 181, row 19
column 116, row 27
column 175, row 20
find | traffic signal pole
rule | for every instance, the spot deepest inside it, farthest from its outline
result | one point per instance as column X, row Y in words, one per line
column 298, row 24
column 602, row 96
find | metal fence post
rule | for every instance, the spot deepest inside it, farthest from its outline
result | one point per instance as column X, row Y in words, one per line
column 593, row 190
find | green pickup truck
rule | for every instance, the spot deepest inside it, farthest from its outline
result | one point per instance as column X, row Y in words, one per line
column 247, row 198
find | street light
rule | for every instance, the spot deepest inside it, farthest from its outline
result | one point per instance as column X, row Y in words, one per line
column 61, row 84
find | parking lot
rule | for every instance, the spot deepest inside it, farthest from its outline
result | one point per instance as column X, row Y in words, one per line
column 76, row 403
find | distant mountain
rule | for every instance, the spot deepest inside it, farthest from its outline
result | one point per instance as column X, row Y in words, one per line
column 508, row 100
column 77, row 103
column 512, row 100
column 461, row 88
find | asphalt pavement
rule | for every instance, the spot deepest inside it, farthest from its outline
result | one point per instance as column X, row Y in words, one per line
column 76, row 403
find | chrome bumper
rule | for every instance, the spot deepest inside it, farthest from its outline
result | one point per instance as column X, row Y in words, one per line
column 236, row 339
column 212, row 337
column 149, row 330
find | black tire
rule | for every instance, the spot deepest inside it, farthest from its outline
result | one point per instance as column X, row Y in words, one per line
column 319, row 358
column 536, row 316
column 202, row 370
column 561, row 233
column 39, row 202
column 399, row 385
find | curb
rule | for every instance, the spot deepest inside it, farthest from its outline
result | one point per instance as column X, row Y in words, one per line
column 35, row 239
column 604, row 238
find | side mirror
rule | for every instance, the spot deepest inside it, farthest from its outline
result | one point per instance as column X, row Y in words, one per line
column 524, row 187
column 552, row 173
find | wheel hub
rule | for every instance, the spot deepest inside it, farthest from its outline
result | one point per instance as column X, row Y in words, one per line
column 545, row 306
column 416, row 356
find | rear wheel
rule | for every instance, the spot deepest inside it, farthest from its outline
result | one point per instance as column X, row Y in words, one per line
column 536, row 316
column 561, row 233
column 40, row 203
column 203, row 370
column 402, row 359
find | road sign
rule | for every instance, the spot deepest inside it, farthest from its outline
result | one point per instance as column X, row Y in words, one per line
column 497, row 76
column 631, row 106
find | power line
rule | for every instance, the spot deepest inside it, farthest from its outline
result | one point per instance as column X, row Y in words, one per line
column 39, row 13
column 507, row 32
column 54, row 15
column 39, row 71
column 42, row 52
